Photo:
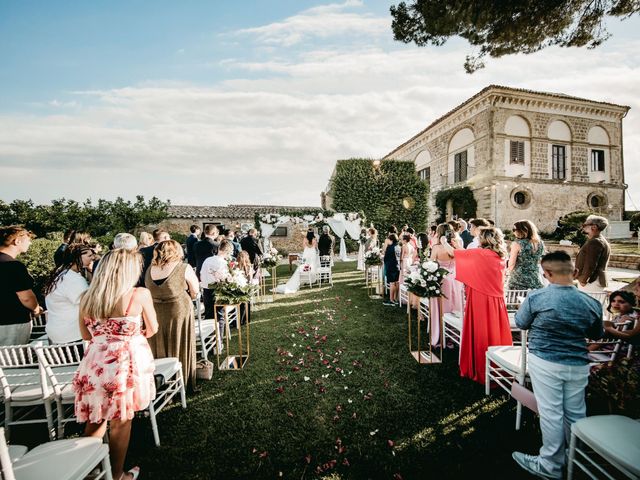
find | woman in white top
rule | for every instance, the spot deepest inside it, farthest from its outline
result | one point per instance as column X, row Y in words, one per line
column 62, row 294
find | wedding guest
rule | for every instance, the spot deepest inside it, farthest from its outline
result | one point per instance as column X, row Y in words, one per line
column 475, row 225
column 58, row 256
column 115, row 378
column 432, row 235
column 524, row 258
column 159, row 235
column 452, row 289
column 145, row 240
column 237, row 248
column 623, row 314
column 251, row 245
column 214, row 268
column 485, row 322
column 457, row 240
column 83, row 238
column 392, row 269
column 63, row 290
column 173, row 285
column 244, row 264
column 325, row 242
column 593, row 257
column 17, row 300
column 372, row 240
column 559, row 318
column 423, row 244
column 407, row 252
column 392, row 229
column 206, row 247
column 464, row 233
column 126, row 241
column 192, row 239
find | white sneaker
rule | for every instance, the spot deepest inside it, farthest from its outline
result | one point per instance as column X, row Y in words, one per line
column 531, row 463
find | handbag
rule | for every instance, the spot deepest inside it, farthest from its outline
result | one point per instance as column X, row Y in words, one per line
column 525, row 396
column 204, row 370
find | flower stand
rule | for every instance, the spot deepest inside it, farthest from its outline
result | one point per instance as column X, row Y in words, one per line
column 421, row 326
column 373, row 281
column 267, row 294
column 224, row 315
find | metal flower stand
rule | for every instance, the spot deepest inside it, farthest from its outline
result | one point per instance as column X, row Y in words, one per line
column 267, row 294
column 224, row 315
column 423, row 319
column 373, row 281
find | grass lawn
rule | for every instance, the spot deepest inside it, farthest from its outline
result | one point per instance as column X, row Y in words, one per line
column 331, row 391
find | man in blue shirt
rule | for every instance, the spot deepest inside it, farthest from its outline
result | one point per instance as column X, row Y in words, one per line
column 559, row 318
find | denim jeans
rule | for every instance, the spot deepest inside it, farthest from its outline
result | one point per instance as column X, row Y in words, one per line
column 559, row 391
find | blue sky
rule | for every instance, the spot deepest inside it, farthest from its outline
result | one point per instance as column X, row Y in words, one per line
column 244, row 102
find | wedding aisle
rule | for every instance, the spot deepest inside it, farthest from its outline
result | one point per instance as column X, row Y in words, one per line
column 330, row 391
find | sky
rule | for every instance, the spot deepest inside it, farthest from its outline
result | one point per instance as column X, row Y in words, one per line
column 216, row 103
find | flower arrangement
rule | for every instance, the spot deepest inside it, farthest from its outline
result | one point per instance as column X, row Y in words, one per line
column 352, row 217
column 271, row 258
column 270, row 218
column 306, row 267
column 425, row 279
column 373, row 257
column 232, row 286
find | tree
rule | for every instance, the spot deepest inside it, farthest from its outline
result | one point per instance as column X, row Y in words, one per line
column 501, row 27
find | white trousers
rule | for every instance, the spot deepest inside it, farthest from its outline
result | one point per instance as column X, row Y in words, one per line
column 559, row 391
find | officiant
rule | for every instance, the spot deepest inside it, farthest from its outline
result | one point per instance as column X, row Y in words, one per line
column 325, row 242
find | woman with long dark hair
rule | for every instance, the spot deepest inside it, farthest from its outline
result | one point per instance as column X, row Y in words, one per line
column 62, row 293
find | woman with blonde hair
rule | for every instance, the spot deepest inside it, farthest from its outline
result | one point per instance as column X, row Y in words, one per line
column 452, row 289
column 146, row 240
column 169, row 279
column 485, row 320
column 524, row 257
column 115, row 378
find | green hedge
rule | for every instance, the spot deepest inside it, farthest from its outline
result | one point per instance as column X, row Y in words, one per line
column 39, row 260
column 391, row 194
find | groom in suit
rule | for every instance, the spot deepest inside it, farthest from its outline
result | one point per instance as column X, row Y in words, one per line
column 325, row 242
column 251, row 245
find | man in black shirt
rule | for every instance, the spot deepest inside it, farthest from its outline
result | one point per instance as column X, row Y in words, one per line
column 159, row 235
column 251, row 245
column 325, row 243
column 207, row 247
column 191, row 241
column 17, row 300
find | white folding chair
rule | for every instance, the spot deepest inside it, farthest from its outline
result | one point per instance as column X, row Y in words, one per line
column 21, row 380
column 403, row 295
column 505, row 365
column 513, row 298
column 38, row 326
column 602, row 442
column 452, row 327
column 325, row 270
column 59, row 363
column 205, row 331
column 70, row 459
column 170, row 369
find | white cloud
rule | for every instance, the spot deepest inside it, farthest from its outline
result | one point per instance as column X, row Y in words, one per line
column 322, row 22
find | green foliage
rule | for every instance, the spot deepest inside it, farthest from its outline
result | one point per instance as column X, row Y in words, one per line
column 393, row 194
column 104, row 218
column 179, row 237
column 634, row 220
column 39, row 260
column 500, row 28
column 570, row 227
column 464, row 203
column 618, row 386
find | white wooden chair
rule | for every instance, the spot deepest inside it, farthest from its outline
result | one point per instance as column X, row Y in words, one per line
column 59, row 363
column 612, row 438
column 170, row 369
column 324, row 272
column 513, row 299
column 452, row 327
column 38, row 326
column 21, row 380
column 403, row 295
column 506, row 364
column 70, row 459
column 205, row 331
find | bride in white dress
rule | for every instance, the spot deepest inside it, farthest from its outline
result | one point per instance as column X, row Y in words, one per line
column 310, row 263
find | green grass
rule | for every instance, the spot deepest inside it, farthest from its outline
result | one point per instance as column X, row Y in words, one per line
column 380, row 416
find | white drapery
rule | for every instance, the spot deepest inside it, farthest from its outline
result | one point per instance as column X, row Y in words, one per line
column 337, row 224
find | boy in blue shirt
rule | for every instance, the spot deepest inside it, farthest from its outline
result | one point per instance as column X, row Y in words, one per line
column 559, row 318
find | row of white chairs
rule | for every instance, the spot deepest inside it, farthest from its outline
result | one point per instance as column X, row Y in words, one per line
column 38, row 375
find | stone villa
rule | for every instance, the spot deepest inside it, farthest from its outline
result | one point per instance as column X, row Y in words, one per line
column 525, row 155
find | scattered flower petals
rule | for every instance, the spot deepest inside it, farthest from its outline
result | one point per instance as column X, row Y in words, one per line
column 306, row 379
column 374, row 432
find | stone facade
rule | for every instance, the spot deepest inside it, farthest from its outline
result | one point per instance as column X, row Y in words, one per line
column 526, row 155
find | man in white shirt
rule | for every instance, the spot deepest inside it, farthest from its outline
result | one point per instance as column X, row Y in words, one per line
column 213, row 269
column 475, row 224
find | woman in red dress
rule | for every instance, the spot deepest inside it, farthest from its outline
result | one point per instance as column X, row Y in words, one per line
column 486, row 322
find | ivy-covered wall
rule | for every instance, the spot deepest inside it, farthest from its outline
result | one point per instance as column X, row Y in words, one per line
column 464, row 203
column 389, row 194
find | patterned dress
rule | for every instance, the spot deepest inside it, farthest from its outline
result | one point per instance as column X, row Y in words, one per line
column 526, row 274
column 115, row 378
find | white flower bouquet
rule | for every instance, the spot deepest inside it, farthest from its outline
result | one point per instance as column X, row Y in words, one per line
column 232, row 286
column 373, row 257
column 425, row 279
column 271, row 258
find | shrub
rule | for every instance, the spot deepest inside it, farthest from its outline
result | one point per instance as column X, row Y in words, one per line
column 464, row 203
column 39, row 261
column 570, row 227
column 634, row 222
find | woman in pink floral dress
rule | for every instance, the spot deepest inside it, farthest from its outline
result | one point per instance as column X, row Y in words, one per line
column 115, row 377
